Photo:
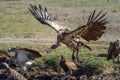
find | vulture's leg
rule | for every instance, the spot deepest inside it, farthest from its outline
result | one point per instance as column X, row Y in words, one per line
column 73, row 56
column 77, row 56
column 54, row 46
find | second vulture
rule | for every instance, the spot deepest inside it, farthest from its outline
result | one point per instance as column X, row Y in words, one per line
column 24, row 57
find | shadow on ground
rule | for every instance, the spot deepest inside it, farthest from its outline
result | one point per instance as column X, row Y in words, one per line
column 102, row 55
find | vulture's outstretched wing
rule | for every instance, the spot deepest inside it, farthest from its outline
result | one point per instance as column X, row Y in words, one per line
column 44, row 17
column 94, row 28
column 32, row 54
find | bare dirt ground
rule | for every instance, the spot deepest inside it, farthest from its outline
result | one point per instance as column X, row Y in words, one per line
column 49, row 74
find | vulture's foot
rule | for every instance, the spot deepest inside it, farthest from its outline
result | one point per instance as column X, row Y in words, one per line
column 54, row 46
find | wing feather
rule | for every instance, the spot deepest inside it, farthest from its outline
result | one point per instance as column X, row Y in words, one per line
column 97, row 15
column 94, row 28
column 32, row 54
column 44, row 17
column 91, row 18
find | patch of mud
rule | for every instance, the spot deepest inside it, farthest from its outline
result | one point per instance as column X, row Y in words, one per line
column 49, row 74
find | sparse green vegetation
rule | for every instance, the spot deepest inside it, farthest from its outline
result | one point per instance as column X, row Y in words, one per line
column 53, row 62
column 95, row 66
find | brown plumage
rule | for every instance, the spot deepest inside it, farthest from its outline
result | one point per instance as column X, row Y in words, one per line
column 93, row 30
column 4, row 56
column 32, row 54
column 24, row 57
column 68, row 66
column 11, row 73
column 114, row 50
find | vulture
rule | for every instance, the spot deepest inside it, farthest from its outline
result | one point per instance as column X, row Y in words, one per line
column 114, row 51
column 91, row 31
column 68, row 66
column 11, row 73
column 24, row 57
column 4, row 56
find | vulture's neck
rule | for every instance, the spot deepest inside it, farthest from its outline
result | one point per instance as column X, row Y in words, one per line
column 55, row 26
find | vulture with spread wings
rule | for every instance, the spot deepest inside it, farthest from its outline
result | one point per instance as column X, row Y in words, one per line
column 93, row 30
column 24, row 57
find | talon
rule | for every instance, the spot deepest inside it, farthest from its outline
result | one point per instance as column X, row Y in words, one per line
column 54, row 46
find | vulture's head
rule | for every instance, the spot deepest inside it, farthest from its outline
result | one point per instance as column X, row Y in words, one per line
column 14, row 49
column 114, row 49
